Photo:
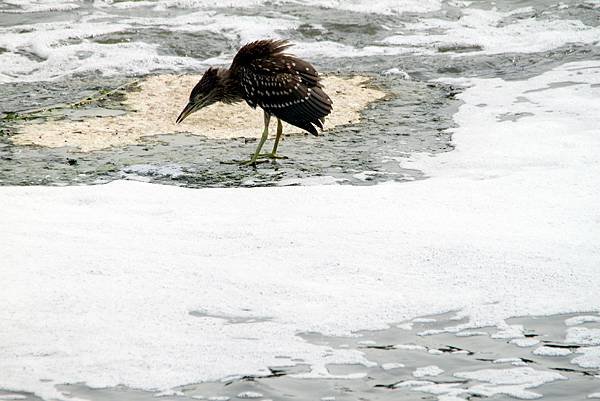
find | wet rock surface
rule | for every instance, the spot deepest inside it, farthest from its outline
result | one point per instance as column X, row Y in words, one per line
column 413, row 118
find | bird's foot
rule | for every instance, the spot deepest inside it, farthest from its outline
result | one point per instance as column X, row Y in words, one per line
column 271, row 156
column 251, row 162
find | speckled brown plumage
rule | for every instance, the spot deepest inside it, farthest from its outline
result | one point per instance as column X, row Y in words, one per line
column 265, row 76
column 283, row 85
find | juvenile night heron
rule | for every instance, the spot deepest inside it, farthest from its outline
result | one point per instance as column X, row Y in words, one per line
column 263, row 75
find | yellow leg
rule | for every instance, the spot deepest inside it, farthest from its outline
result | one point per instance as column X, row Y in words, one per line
column 263, row 138
column 273, row 154
column 278, row 137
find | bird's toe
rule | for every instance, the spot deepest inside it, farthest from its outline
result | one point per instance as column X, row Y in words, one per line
column 272, row 156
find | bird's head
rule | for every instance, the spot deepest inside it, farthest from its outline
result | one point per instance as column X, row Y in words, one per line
column 206, row 92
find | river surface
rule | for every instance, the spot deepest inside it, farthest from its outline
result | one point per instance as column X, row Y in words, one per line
column 55, row 53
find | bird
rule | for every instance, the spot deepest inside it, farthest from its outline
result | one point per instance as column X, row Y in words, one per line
column 263, row 75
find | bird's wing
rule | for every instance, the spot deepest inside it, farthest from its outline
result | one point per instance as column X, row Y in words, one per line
column 256, row 50
column 288, row 88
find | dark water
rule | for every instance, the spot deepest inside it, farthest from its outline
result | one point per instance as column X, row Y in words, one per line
column 449, row 352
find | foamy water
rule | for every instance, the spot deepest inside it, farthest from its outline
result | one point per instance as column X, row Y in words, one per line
column 108, row 281
column 49, row 40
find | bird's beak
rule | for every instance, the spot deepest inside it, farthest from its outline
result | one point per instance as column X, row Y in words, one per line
column 187, row 110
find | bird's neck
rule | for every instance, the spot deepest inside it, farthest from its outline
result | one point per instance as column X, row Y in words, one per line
column 232, row 92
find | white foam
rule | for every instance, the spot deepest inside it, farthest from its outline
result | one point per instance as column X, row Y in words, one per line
column 512, row 361
column 514, row 382
column 36, row 6
column 365, row 175
column 513, row 376
column 577, row 320
column 444, row 391
column 62, row 44
column 449, row 397
column 162, row 5
column 310, row 181
column 410, row 347
column 396, row 71
column 506, row 226
column 332, row 49
column 67, row 48
column 243, row 28
column 249, row 395
column 551, row 351
column 524, row 342
column 405, row 326
column 424, row 371
column 431, row 332
column 54, row 40
column 392, row 365
column 41, row 39
column 482, row 28
column 329, row 376
column 171, row 170
column 471, row 333
column 170, row 392
column 412, row 383
column 84, row 56
column 590, row 357
column 423, row 320
column 582, row 336
column 509, row 332
column 380, row 7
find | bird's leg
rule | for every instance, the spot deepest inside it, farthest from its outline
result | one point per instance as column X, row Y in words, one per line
column 263, row 138
column 278, row 137
column 273, row 154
